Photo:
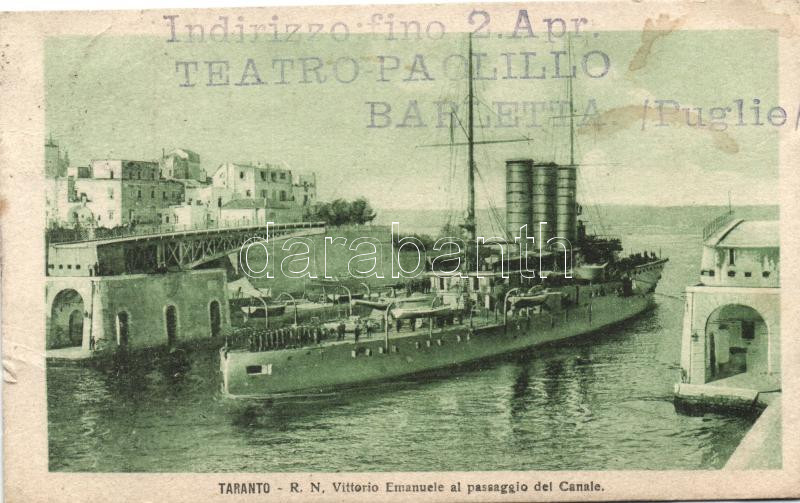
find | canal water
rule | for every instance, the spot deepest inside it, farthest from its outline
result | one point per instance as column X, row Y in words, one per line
column 602, row 402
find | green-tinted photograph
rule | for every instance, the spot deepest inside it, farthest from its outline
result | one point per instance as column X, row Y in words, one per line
column 401, row 248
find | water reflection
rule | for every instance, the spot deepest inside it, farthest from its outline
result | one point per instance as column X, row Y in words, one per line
column 518, row 403
column 602, row 402
column 553, row 373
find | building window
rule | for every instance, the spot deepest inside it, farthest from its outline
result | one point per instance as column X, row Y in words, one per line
column 171, row 322
column 241, row 175
column 77, row 266
column 248, row 193
column 112, row 174
column 748, row 330
column 747, row 274
column 111, row 215
column 731, row 274
column 111, row 193
column 711, row 272
column 152, row 194
column 164, row 195
column 139, row 194
column 765, row 274
column 215, row 317
column 731, row 256
column 263, row 194
column 259, row 369
column 283, row 176
column 264, row 176
column 122, row 329
column 274, row 177
column 283, row 195
column 219, row 202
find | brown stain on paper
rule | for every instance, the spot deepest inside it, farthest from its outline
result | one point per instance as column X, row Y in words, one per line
column 652, row 31
column 750, row 14
column 620, row 118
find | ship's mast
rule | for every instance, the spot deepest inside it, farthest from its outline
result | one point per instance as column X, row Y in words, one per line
column 571, row 109
column 470, row 223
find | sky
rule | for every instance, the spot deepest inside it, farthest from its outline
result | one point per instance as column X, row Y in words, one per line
column 121, row 97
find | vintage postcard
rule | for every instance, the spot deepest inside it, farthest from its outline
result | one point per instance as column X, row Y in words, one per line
column 434, row 252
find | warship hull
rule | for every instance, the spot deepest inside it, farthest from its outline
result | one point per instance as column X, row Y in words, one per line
column 330, row 366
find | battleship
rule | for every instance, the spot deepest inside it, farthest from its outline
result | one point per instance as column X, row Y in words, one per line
column 491, row 305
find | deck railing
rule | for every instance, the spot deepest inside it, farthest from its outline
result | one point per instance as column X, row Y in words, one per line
column 716, row 224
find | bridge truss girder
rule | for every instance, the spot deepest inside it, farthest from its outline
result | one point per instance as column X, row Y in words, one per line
column 191, row 251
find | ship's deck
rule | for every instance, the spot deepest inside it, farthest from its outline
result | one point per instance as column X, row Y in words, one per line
column 479, row 322
column 484, row 319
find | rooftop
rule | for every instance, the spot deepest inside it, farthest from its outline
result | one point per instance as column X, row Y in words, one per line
column 749, row 234
column 191, row 183
column 249, row 204
column 127, row 162
column 254, row 165
column 184, row 153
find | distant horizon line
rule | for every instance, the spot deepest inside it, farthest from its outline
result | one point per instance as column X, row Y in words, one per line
column 641, row 205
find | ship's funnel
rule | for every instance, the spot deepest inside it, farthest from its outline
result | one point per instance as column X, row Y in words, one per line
column 543, row 191
column 566, row 203
column 518, row 196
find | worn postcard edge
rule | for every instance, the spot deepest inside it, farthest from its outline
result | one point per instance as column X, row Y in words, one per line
column 22, row 212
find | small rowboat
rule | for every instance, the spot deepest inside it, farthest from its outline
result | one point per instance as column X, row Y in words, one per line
column 419, row 307
column 421, row 312
column 258, row 312
column 306, row 305
column 518, row 301
column 373, row 303
column 590, row 272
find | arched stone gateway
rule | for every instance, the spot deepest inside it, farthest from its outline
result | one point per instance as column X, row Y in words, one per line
column 136, row 312
column 67, row 320
column 738, row 342
column 732, row 317
column 731, row 331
